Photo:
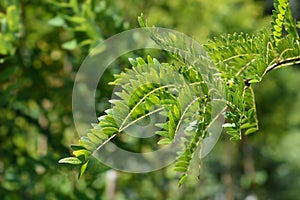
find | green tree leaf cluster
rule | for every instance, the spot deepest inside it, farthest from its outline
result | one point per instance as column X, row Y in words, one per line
column 240, row 58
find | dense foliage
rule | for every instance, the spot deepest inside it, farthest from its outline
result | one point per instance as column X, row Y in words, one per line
column 240, row 58
column 43, row 43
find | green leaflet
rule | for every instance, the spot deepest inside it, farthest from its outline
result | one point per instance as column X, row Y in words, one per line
column 83, row 168
column 82, row 153
column 70, row 160
column 164, row 141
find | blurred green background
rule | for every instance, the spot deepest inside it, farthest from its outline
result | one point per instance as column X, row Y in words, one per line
column 43, row 43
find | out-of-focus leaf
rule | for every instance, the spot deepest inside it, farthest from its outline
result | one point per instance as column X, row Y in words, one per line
column 57, row 21
column 70, row 45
